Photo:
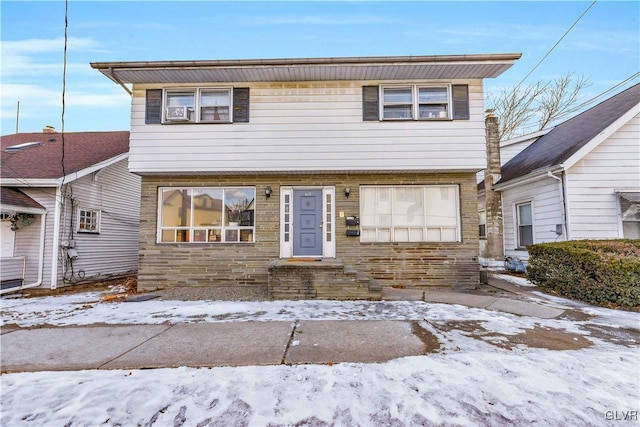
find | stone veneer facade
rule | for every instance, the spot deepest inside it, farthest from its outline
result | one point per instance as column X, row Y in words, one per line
column 400, row 264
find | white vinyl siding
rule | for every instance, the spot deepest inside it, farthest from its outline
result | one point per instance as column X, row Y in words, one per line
column 546, row 205
column 310, row 126
column 115, row 194
column 592, row 182
column 27, row 239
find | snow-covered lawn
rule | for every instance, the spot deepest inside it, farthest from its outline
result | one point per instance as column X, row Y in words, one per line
column 481, row 375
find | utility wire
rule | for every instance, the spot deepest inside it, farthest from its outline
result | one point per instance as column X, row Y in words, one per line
column 555, row 45
column 595, row 98
column 64, row 85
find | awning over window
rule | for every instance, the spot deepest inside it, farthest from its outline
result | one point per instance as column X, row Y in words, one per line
column 14, row 200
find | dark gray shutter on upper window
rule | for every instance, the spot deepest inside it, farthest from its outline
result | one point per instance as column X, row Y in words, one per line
column 241, row 104
column 370, row 103
column 460, row 95
column 153, row 108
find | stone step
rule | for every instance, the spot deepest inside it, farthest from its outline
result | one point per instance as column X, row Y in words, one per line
column 325, row 279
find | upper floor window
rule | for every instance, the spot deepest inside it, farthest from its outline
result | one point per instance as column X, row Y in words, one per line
column 416, row 102
column 196, row 105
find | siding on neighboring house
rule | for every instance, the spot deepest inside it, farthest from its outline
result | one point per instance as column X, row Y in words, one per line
column 545, row 196
column 612, row 165
column 115, row 193
column 508, row 152
column 308, row 126
column 27, row 241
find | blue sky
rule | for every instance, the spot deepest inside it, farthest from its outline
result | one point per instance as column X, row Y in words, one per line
column 603, row 47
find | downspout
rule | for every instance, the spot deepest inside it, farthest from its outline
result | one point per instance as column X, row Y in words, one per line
column 563, row 195
column 43, row 223
column 56, row 238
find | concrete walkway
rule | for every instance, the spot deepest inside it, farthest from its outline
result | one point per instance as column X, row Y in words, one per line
column 248, row 343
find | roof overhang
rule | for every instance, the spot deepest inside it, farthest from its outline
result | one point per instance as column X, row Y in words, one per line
column 478, row 66
column 535, row 175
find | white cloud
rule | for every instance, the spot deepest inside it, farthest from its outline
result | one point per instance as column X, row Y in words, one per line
column 30, row 46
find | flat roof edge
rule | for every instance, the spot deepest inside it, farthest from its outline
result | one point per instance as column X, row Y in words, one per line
column 379, row 60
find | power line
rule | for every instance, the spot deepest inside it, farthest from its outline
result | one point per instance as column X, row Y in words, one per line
column 64, row 84
column 555, row 45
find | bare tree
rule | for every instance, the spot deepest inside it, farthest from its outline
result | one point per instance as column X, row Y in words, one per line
column 531, row 108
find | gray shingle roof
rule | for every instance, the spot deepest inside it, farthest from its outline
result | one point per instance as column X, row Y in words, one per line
column 567, row 138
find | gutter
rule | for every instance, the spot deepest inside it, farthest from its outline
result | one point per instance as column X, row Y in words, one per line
column 529, row 178
column 56, row 239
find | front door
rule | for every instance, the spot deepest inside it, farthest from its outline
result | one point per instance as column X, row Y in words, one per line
column 307, row 223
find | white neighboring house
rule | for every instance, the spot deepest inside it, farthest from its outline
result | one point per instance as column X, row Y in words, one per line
column 71, row 223
column 578, row 180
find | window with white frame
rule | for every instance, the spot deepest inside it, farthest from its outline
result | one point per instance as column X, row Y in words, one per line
column 630, row 213
column 88, row 220
column 426, row 213
column 206, row 215
column 482, row 224
column 524, row 217
column 211, row 105
column 415, row 102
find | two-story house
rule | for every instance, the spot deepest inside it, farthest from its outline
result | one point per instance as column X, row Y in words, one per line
column 309, row 174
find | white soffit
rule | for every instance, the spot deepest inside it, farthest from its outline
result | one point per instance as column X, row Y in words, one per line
column 318, row 69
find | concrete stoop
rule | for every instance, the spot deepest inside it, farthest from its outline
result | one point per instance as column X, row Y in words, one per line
column 297, row 279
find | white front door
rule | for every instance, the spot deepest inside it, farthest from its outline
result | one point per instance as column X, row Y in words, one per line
column 7, row 239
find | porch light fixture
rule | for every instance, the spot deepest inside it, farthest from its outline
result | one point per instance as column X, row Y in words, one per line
column 267, row 191
column 347, row 191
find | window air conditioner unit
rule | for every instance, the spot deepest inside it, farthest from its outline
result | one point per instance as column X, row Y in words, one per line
column 177, row 113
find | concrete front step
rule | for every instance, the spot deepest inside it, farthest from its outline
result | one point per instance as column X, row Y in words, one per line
column 296, row 279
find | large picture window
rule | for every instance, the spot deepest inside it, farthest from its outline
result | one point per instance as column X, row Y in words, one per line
column 207, row 215
column 410, row 214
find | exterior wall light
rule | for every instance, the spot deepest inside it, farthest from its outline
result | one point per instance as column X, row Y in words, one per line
column 347, row 191
column 267, row 191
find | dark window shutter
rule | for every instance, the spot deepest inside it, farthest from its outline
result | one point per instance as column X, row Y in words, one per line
column 241, row 104
column 460, row 94
column 153, row 109
column 370, row 103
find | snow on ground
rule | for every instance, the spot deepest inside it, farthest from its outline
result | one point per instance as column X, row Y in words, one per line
column 470, row 381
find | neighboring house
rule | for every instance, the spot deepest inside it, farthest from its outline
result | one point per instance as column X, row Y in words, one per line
column 578, row 180
column 365, row 165
column 67, row 218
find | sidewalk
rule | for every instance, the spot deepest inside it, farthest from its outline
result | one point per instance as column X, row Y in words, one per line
column 100, row 346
